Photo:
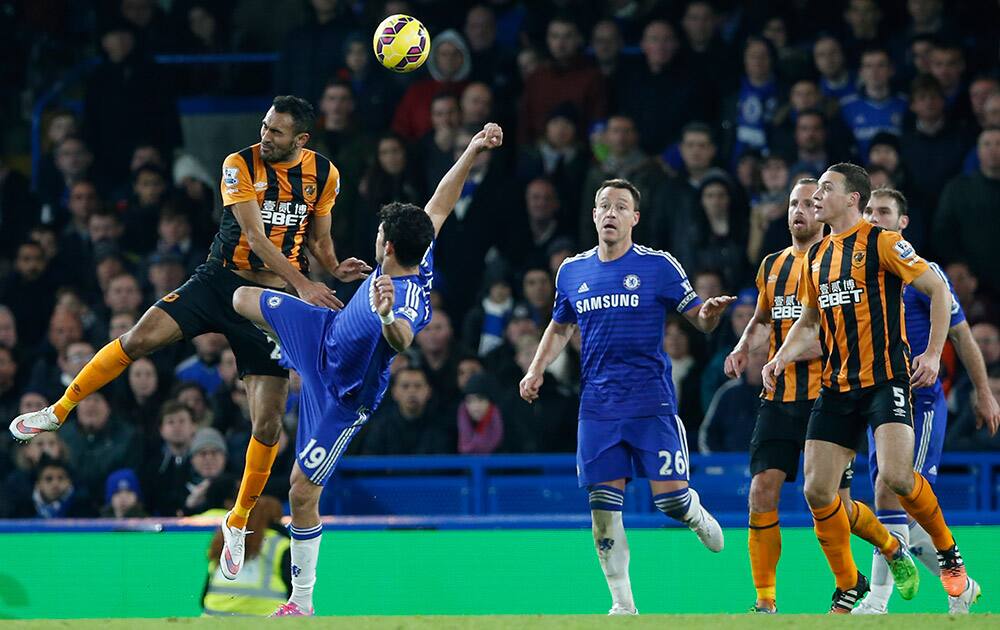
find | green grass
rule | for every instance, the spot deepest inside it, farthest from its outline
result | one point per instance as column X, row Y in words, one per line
column 539, row 622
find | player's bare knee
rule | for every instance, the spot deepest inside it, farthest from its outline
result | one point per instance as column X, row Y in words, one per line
column 818, row 496
column 244, row 299
column 899, row 482
column 303, row 495
column 764, row 493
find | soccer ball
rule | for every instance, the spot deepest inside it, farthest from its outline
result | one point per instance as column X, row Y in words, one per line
column 401, row 43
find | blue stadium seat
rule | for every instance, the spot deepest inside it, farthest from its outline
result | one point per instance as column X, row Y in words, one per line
column 398, row 495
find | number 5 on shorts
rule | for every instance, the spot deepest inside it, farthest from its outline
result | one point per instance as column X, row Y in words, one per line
column 678, row 461
column 898, row 397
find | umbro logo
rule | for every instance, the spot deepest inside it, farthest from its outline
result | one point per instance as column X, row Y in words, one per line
column 260, row 185
column 583, row 288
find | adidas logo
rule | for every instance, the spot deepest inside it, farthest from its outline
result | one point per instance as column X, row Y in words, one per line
column 583, row 288
column 932, row 470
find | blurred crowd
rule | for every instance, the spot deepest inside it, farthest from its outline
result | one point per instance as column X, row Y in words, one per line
column 713, row 108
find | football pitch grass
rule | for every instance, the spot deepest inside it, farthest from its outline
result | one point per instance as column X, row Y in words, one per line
column 458, row 578
column 528, row 622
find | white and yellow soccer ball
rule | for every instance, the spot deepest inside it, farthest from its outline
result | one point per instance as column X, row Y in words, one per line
column 401, row 43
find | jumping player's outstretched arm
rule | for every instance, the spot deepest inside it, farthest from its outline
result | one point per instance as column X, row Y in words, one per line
column 450, row 188
column 247, row 214
column 553, row 341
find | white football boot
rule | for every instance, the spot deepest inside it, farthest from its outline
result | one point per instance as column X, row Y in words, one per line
column 28, row 425
column 704, row 525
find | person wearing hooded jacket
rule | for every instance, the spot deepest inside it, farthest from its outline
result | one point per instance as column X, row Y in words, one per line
column 449, row 65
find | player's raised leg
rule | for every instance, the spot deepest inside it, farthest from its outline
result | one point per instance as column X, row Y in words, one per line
column 153, row 331
column 606, row 501
column 824, row 465
column 918, row 499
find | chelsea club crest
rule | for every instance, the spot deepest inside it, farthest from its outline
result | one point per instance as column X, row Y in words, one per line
column 631, row 282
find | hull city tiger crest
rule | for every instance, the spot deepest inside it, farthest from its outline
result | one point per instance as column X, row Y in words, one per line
column 858, row 259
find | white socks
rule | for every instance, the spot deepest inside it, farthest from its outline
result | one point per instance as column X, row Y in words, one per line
column 612, row 552
column 922, row 548
column 882, row 582
column 305, row 555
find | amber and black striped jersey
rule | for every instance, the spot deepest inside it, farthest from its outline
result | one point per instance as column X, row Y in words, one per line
column 777, row 294
column 856, row 281
column 289, row 195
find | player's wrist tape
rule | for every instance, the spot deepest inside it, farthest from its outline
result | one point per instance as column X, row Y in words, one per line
column 387, row 319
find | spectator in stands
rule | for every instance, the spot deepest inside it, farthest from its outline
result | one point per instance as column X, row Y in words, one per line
column 874, row 108
column 531, row 246
column 713, row 375
column 835, row 79
column 203, row 366
column 717, row 237
column 987, row 336
column 123, row 295
column 389, row 178
column 491, row 63
column 435, row 150
column 730, row 419
column 314, row 49
column 566, row 77
column 143, row 154
column 10, row 390
column 813, row 150
column 19, row 483
column 176, row 240
column 990, row 120
column 976, row 304
column 73, row 159
column 194, row 397
column 749, row 111
column 122, row 496
column 480, row 423
column 863, row 19
column 8, row 328
column 166, row 468
column 965, row 430
column 482, row 330
column 449, row 65
column 375, row 91
column 409, row 426
column 660, row 77
column 195, row 196
column 933, row 151
column 438, row 355
column 676, row 202
column 208, row 462
column 884, row 151
column 115, row 125
column 204, row 33
column 548, row 425
column 140, row 403
column 501, row 361
column 948, row 67
column 83, row 200
column 64, row 328
column 980, row 90
column 768, row 230
column 99, row 443
column 468, row 365
column 29, row 276
column 55, row 494
column 51, row 379
column 686, row 377
column 538, row 291
column 560, row 157
column 625, row 160
column 165, row 272
column 476, row 105
column 142, row 211
column 120, row 324
column 926, row 19
column 104, row 231
column 606, row 46
column 791, row 62
column 965, row 224
column 706, row 54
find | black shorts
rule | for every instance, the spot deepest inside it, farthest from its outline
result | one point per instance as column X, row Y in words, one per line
column 205, row 304
column 842, row 417
column 779, row 436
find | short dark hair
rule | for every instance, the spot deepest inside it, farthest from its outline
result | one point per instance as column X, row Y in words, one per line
column 802, row 181
column 174, row 406
column 299, row 109
column 409, row 229
column 895, row 195
column 697, row 127
column 341, row 83
column 105, row 211
column 925, row 83
column 812, row 112
column 621, row 184
column 855, row 181
column 876, row 50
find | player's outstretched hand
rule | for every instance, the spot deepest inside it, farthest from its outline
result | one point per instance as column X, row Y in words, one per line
column 713, row 307
column 490, row 137
column 351, row 269
column 383, row 294
column 530, row 385
column 772, row 370
column 319, row 294
column 925, row 371
column 736, row 362
column 987, row 412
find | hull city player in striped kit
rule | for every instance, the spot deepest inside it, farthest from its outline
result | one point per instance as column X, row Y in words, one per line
column 780, row 432
column 343, row 357
column 278, row 199
column 619, row 295
column 851, row 292
column 888, row 209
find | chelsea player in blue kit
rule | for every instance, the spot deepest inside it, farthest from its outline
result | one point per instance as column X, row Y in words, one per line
column 887, row 208
column 619, row 295
column 343, row 357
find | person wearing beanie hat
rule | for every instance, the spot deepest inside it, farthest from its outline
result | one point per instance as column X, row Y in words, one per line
column 122, row 495
column 480, row 423
column 449, row 65
column 208, row 461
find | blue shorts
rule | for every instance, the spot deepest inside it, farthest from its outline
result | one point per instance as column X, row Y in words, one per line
column 654, row 447
column 326, row 426
column 930, row 420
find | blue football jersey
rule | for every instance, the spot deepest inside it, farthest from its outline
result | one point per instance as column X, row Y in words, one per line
column 621, row 307
column 358, row 356
column 918, row 321
column 866, row 118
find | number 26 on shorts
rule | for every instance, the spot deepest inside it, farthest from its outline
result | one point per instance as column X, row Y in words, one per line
column 672, row 463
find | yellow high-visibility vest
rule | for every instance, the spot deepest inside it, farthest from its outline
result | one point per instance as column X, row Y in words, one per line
column 258, row 590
